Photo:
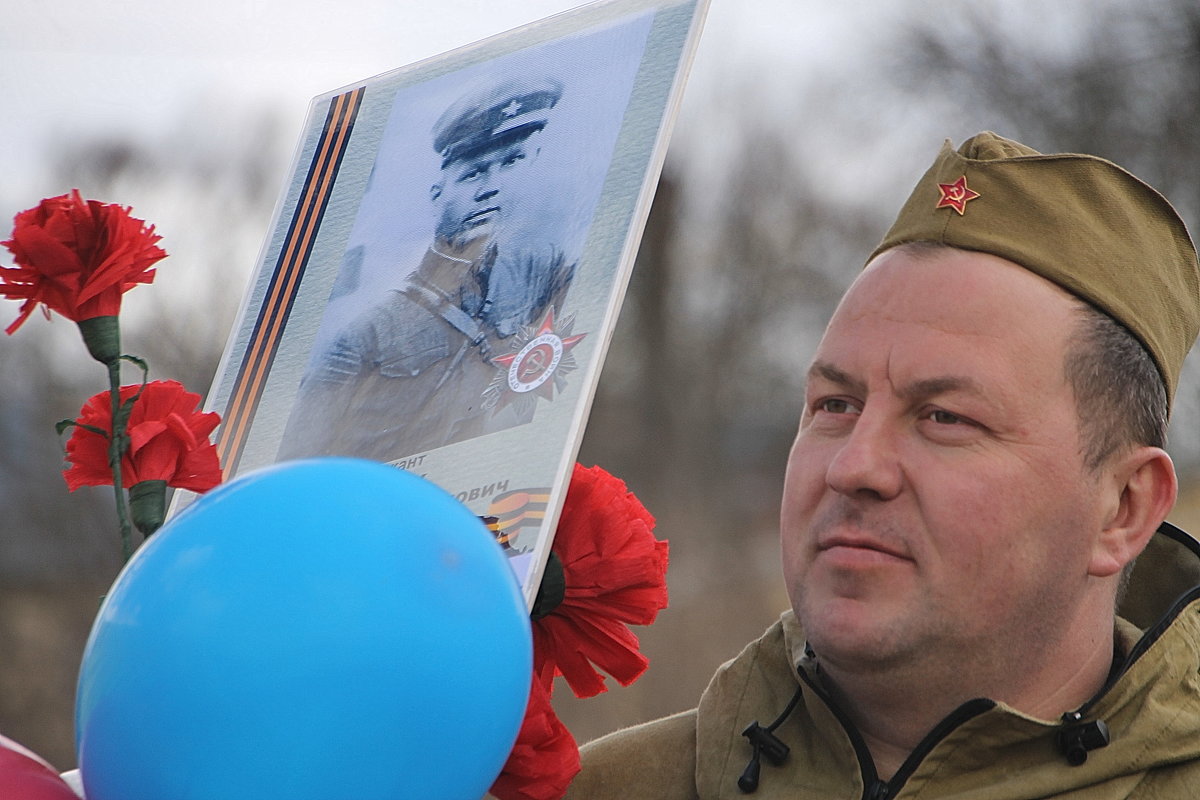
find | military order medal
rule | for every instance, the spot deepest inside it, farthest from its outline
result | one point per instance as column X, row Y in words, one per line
column 956, row 195
column 538, row 356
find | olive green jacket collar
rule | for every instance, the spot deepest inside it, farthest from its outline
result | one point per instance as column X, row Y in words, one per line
column 985, row 750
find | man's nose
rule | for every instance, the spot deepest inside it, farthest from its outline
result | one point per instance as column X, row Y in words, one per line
column 487, row 187
column 867, row 463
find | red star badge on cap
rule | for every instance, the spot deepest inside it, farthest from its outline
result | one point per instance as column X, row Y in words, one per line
column 956, row 195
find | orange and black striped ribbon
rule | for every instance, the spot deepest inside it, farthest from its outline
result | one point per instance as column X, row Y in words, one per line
column 511, row 511
column 285, row 281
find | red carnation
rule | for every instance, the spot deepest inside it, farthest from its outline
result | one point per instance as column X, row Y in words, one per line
column 615, row 573
column 606, row 573
column 168, row 440
column 545, row 757
column 77, row 257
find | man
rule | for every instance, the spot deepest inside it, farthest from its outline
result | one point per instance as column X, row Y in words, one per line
column 979, row 462
column 416, row 371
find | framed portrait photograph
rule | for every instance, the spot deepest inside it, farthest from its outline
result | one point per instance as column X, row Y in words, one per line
column 448, row 259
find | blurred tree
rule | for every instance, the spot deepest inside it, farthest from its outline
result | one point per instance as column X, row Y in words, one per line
column 1126, row 89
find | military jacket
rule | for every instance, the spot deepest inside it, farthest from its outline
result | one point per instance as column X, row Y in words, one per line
column 415, row 371
column 983, row 751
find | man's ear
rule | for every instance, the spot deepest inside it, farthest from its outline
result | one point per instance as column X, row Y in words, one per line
column 1144, row 485
column 435, row 191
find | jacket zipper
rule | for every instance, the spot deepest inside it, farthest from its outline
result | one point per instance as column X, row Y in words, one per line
column 875, row 788
column 968, row 710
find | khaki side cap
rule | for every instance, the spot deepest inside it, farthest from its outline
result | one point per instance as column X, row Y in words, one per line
column 1079, row 221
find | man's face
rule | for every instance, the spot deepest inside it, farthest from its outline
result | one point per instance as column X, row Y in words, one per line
column 936, row 503
column 471, row 195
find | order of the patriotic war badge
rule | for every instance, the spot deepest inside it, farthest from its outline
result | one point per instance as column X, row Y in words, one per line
column 538, row 365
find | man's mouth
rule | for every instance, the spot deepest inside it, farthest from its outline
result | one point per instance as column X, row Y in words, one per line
column 476, row 217
column 861, row 544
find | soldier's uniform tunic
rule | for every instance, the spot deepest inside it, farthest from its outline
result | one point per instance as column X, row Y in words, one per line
column 412, row 373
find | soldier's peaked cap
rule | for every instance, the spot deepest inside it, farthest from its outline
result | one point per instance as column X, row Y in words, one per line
column 494, row 117
column 1079, row 221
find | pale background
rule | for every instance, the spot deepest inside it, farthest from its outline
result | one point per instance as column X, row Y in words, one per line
column 804, row 125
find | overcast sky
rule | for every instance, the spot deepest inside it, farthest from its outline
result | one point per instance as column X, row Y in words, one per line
column 135, row 65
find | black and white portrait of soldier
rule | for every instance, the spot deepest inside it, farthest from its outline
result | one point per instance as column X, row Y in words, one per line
column 468, row 237
column 410, row 373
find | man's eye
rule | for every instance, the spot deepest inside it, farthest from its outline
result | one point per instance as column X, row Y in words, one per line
column 836, row 405
column 945, row 418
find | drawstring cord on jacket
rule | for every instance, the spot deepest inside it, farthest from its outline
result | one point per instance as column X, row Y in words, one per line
column 765, row 743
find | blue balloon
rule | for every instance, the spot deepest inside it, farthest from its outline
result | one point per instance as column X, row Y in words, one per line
column 324, row 629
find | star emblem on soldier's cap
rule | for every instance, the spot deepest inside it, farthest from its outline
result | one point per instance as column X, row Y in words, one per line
column 511, row 109
column 956, row 195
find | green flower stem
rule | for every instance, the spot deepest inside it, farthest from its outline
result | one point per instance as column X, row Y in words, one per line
column 116, row 449
column 102, row 336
